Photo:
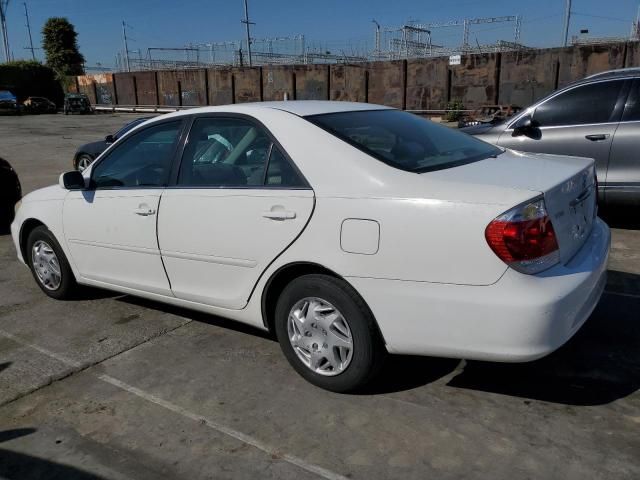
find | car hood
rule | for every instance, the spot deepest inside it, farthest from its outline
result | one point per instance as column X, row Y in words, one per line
column 478, row 129
column 94, row 148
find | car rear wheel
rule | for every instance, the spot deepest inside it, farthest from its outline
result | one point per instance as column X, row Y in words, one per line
column 83, row 161
column 328, row 334
column 49, row 265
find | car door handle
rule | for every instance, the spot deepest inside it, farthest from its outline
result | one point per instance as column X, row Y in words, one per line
column 144, row 211
column 598, row 137
column 279, row 215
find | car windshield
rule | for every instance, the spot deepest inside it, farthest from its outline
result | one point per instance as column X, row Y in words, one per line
column 404, row 140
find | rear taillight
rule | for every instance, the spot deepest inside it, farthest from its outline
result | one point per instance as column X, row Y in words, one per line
column 524, row 239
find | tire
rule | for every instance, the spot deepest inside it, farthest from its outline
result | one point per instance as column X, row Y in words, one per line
column 83, row 159
column 46, row 244
column 335, row 304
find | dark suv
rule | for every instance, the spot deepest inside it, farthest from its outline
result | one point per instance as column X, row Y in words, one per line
column 77, row 102
column 597, row 117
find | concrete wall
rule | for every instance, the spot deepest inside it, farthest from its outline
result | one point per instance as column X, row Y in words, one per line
column 518, row 78
column 427, row 83
column 277, row 81
column 386, row 83
column 247, row 83
column 220, row 85
column 311, row 82
column 348, row 83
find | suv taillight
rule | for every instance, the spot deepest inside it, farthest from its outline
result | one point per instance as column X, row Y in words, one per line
column 524, row 239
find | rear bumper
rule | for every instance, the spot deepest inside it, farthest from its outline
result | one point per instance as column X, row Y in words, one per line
column 519, row 318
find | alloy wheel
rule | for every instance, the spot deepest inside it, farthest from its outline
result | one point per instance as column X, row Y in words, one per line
column 83, row 162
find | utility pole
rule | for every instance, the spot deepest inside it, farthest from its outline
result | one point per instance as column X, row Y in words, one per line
column 247, row 23
column 567, row 21
column 26, row 14
column 4, row 4
column 126, row 46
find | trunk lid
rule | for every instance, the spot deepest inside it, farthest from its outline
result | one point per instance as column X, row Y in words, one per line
column 567, row 184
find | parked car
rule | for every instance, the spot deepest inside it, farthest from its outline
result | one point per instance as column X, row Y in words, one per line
column 351, row 230
column 8, row 102
column 77, row 103
column 10, row 193
column 39, row 105
column 488, row 114
column 597, row 117
column 88, row 152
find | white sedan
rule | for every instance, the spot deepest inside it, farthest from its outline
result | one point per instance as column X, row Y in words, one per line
column 350, row 230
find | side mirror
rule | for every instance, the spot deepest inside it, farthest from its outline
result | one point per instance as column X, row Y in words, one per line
column 72, row 180
column 109, row 139
column 525, row 126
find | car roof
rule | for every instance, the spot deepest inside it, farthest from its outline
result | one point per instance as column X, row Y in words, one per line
column 301, row 108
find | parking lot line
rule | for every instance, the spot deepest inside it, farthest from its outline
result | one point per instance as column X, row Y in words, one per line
column 44, row 351
column 272, row 451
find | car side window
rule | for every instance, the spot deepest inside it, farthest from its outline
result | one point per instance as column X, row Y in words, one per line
column 632, row 107
column 143, row 160
column 229, row 152
column 593, row 103
column 280, row 172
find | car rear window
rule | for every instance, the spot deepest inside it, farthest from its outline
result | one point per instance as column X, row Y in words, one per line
column 404, row 140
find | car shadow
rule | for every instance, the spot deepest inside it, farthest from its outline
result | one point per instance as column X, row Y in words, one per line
column 20, row 466
column 599, row 365
column 625, row 218
column 196, row 316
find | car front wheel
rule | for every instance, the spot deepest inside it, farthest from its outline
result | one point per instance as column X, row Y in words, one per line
column 328, row 334
column 49, row 265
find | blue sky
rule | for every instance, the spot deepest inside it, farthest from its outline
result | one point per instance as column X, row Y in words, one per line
column 333, row 23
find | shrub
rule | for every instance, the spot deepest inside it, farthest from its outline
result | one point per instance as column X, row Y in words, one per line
column 31, row 79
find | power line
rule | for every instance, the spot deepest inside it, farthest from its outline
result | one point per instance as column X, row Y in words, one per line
column 613, row 19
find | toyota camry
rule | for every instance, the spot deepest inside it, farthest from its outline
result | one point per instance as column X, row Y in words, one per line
column 349, row 230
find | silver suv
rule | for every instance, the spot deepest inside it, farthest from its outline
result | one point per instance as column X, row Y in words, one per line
column 598, row 117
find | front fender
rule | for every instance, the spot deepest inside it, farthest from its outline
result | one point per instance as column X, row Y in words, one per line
column 47, row 211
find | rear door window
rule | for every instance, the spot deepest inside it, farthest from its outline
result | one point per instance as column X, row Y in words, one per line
column 234, row 152
column 586, row 104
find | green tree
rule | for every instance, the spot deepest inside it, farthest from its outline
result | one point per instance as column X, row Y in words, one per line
column 59, row 41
